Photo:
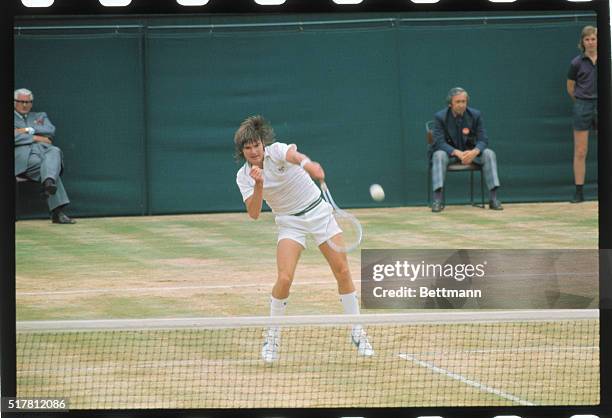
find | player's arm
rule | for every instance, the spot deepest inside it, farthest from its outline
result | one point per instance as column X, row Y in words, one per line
column 313, row 168
column 255, row 201
column 571, row 88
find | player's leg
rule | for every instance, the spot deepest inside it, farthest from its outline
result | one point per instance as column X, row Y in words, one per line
column 338, row 263
column 288, row 253
column 323, row 227
column 287, row 256
column 581, row 145
column 291, row 242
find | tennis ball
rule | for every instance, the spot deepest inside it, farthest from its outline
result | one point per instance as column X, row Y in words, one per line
column 377, row 192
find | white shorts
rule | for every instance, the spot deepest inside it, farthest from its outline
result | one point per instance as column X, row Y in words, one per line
column 319, row 222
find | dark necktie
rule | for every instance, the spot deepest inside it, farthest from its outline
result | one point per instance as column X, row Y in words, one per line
column 459, row 122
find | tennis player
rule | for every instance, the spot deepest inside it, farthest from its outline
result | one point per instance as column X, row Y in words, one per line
column 281, row 175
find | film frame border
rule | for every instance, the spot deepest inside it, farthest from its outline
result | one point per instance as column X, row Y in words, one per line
column 14, row 8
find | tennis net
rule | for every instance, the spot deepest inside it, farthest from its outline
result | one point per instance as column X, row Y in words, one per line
column 451, row 358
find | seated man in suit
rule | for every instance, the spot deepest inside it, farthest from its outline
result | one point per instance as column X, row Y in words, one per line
column 35, row 157
column 459, row 136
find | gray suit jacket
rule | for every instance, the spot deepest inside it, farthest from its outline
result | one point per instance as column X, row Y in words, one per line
column 24, row 142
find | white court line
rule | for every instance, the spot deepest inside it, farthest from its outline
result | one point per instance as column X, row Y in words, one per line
column 112, row 367
column 204, row 287
column 467, row 381
column 160, row 289
column 513, row 350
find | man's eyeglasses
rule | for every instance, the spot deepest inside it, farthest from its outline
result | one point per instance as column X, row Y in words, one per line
column 23, row 101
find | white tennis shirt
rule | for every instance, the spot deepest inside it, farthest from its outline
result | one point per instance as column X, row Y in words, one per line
column 287, row 187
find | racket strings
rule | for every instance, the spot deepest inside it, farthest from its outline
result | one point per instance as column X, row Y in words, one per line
column 352, row 232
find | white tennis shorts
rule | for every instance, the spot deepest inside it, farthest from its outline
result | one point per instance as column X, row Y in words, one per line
column 319, row 222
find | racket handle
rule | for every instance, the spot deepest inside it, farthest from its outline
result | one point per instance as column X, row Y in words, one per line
column 323, row 186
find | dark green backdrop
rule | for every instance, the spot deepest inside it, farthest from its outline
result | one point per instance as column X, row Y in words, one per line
column 146, row 108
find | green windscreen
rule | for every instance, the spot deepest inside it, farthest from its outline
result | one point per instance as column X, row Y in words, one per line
column 146, row 108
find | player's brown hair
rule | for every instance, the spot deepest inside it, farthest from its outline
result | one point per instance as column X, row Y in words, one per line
column 252, row 130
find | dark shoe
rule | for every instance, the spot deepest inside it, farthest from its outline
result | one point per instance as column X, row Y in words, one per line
column 59, row 217
column 437, row 206
column 495, row 205
column 578, row 197
column 49, row 186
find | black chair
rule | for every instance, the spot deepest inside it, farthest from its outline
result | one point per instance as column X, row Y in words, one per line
column 30, row 199
column 452, row 168
column 20, row 178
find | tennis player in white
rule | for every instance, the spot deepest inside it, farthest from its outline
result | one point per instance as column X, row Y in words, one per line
column 283, row 176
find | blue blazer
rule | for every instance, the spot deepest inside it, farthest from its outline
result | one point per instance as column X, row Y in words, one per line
column 447, row 139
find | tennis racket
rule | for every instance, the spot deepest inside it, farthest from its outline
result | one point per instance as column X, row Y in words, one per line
column 352, row 233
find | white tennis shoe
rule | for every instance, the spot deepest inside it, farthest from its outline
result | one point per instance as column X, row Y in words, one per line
column 360, row 339
column 271, row 346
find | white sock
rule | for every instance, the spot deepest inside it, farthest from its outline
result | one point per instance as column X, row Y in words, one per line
column 350, row 303
column 277, row 308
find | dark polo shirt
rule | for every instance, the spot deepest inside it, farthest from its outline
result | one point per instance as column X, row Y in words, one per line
column 584, row 73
